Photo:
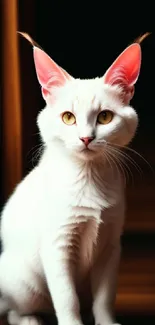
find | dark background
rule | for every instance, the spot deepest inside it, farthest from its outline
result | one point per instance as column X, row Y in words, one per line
column 85, row 38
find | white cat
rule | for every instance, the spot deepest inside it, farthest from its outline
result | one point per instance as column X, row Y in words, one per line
column 61, row 227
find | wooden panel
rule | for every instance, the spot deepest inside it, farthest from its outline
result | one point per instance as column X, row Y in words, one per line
column 11, row 113
column 140, row 216
column 136, row 283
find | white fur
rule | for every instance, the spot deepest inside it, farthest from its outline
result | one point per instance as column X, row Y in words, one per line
column 61, row 227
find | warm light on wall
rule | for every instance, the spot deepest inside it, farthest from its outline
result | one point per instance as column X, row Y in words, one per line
column 11, row 110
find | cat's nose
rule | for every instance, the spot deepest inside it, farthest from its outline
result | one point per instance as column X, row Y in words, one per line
column 87, row 140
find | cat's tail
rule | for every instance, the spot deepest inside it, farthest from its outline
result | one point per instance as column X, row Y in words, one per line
column 4, row 306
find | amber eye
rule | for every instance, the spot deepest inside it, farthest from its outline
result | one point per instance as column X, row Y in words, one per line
column 68, row 118
column 105, row 117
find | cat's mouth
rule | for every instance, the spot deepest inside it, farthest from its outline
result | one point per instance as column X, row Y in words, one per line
column 86, row 150
column 87, row 153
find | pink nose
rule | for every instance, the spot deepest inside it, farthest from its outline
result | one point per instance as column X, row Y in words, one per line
column 87, row 140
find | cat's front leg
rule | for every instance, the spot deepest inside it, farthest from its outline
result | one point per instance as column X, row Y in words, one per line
column 59, row 273
column 104, row 280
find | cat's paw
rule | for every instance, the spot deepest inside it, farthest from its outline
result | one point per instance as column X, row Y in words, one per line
column 15, row 319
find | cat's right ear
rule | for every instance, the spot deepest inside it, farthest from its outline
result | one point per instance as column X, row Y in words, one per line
column 125, row 70
column 49, row 74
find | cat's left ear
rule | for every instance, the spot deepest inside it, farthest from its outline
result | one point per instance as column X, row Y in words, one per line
column 49, row 74
column 125, row 70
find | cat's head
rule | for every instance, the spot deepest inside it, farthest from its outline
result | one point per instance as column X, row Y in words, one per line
column 83, row 116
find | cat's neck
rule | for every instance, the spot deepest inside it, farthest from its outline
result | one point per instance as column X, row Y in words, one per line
column 57, row 155
column 72, row 176
column 59, row 163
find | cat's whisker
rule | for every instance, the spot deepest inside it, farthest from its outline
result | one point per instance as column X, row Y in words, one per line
column 36, row 154
column 121, row 158
column 36, row 133
column 101, row 141
column 121, row 169
column 36, row 146
column 127, row 169
column 35, row 151
column 110, row 160
column 134, row 152
column 128, row 158
column 121, row 163
column 105, row 155
column 120, row 166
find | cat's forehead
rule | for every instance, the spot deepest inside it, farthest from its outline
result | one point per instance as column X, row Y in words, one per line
column 92, row 95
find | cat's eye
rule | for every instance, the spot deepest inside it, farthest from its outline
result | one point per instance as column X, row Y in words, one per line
column 105, row 117
column 68, row 118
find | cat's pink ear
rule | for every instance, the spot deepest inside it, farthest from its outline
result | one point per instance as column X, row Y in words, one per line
column 125, row 69
column 49, row 74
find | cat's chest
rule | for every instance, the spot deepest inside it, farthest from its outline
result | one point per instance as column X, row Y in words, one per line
column 83, row 191
column 91, row 191
column 85, row 194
